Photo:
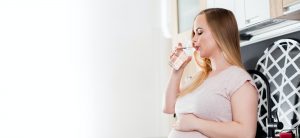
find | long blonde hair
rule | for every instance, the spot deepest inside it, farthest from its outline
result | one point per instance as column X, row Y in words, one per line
column 223, row 26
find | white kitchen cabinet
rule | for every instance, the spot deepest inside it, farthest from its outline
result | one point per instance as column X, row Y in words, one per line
column 183, row 14
column 237, row 7
column 247, row 12
column 227, row 4
column 187, row 10
column 256, row 11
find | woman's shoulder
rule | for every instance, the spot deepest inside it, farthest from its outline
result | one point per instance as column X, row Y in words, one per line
column 238, row 71
column 237, row 77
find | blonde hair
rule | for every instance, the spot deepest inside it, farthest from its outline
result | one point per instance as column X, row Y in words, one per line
column 223, row 26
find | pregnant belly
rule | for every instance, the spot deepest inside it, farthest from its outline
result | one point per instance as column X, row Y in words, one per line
column 180, row 134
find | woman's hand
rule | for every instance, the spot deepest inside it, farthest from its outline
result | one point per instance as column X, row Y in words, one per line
column 186, row 122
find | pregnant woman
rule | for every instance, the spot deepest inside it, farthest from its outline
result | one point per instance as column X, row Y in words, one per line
column 221, row 100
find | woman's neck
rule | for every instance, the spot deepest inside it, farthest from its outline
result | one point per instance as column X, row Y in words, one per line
column 218, row 62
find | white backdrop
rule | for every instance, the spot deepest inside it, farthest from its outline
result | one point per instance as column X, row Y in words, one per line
column 82, row 69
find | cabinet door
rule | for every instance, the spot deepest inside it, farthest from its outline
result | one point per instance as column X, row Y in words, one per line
column 240, row 13
column 256, row 11
column 187, row 10
column 236, row 6
column 226, row 4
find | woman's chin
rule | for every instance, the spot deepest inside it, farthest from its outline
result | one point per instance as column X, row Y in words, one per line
column 202, row 55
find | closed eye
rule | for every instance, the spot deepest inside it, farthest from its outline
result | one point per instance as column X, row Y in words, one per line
column 199, row 31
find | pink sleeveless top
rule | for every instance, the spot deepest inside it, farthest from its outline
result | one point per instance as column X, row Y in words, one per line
column 211, row 100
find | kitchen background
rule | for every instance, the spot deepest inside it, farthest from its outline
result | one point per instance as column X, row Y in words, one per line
column 98, row 69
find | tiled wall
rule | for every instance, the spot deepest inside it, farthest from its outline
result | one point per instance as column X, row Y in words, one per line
column 252, row 52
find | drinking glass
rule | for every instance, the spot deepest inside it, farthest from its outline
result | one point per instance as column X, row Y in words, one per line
column 181, row 54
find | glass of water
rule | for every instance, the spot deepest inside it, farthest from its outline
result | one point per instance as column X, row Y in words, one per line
column 181, row 54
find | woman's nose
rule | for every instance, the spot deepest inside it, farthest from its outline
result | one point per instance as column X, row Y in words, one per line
column 195, row 39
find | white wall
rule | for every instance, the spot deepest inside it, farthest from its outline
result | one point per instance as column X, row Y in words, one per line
column 84, row 68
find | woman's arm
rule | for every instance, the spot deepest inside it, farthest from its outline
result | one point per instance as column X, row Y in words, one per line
column 173, row 88
column 172, row 92
column 244, row 110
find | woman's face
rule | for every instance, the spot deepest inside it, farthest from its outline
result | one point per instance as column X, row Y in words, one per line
column 203, row 40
